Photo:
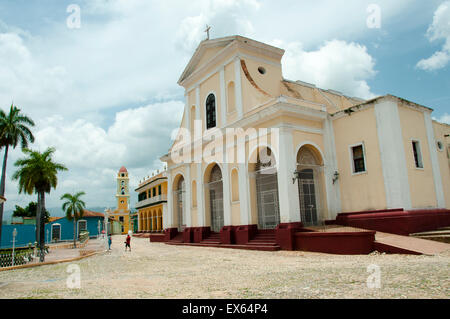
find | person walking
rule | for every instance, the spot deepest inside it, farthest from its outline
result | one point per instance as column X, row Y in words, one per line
column 127, row 242
column 109, row 242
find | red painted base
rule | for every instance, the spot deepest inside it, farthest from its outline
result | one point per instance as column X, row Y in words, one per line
column 293, row 236
column 157, row 238
column 227, row 235
column 284, row 234
column 244, row 233
column 170, row 233
column 397, row 221
column 188, row 235
column 342, row 243
column 200, row 233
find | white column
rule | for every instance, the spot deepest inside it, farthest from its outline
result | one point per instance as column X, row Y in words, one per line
column 287, row 189
column 168, row 218
column 392, row 153
column 330, row 163
column 244, row 195
column 188, row 202
column 187, row 111
column 238, row 87
column 200, row 196
column 440, row 199
column 198, row 106
column 226, row 195
column 164, row 216
column 223, row 99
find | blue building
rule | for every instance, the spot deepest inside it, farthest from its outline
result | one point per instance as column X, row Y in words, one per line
column 58, row 229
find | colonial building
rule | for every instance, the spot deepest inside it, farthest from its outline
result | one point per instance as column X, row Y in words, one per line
column 122, row 212
column 152, row 203
column 258, row 151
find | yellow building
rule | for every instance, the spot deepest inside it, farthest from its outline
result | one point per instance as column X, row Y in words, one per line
column 122, row 212
column 296, row 152
column 152, row 203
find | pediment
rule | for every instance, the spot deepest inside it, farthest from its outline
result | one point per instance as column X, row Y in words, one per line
column 208, row 49
column 204, row 52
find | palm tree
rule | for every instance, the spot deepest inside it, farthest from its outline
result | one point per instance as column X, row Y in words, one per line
column 37, row 173
column 74, row 208
column 13, row 129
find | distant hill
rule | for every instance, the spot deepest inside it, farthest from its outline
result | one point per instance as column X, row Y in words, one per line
column 54, row 212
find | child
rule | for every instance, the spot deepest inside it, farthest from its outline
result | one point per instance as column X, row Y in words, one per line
column 127, row 242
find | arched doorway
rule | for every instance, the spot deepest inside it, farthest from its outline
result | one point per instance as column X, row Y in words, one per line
column 266, row 186
column 179, row 197
column 56, row 232
column 309, row 172
column 215, row 187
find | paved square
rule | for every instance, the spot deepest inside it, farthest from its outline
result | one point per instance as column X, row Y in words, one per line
column 156, row 270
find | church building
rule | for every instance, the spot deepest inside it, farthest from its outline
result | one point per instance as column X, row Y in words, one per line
column 257, row 152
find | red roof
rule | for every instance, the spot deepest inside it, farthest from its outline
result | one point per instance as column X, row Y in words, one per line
column 88, row 213
column 123, row 170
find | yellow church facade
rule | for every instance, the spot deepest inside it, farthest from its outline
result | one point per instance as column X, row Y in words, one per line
column 258, row 151
column 122, row 211
column 152, row 203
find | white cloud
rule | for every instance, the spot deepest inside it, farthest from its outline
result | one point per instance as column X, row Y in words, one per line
column 438, row 30
column 23, row 78
column 227, row 17
column 445, row 118
column 93, row 155
column 336, row 65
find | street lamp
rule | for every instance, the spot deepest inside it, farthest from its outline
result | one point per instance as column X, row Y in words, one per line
column 14, row 245
column 107, row 211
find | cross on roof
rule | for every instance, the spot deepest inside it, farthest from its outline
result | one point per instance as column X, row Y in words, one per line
column 207, row 31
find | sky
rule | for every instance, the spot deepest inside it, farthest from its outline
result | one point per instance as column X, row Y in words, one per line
column 99, row 77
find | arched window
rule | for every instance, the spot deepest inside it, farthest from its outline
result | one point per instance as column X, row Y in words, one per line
column 210, row 111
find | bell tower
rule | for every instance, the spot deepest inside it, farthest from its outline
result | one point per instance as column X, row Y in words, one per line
column 123, row 192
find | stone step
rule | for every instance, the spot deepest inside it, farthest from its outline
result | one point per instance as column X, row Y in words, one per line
column 264, row 237
column 261, row 241
column 432, row 233
column 247, row 247
column 439, row 238
column 262, row 244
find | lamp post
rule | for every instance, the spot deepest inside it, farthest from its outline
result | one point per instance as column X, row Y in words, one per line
column 14, row 245
column 106, row 227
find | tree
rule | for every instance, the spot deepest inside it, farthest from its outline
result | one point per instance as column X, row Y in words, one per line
column 37, row 173
column 30, row 211
column 14, row 128
column 74, row 208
